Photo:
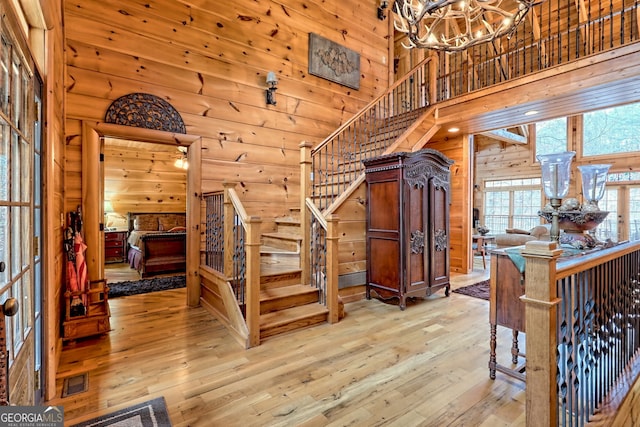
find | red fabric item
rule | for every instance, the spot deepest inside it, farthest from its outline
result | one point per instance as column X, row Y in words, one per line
column 72, row 278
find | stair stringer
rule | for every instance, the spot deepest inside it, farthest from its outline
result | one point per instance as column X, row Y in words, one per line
column 217, row 297
column 418, row 134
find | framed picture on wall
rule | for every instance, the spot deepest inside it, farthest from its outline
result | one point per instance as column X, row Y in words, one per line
column 333, row 62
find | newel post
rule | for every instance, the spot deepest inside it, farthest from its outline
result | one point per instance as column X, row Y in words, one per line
column 332, row 268
column 541, row 301
column 229, row 218
column 305, row 220
column 252, row 275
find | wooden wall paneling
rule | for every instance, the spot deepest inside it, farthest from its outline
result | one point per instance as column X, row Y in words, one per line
column 233, row 150
column 220, row 80
column 142, row 177
column 459, row 149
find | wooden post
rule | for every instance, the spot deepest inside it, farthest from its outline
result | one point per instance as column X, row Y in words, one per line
column 433, row 82
column 92, row 216
column 252, row 295
column 541, row 302
column 229, row 218
column 194, row 221
column 332, row 268
column 305, row 220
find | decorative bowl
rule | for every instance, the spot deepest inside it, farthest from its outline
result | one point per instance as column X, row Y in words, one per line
column 482, row 230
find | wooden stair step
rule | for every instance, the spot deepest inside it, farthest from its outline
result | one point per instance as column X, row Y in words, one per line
column 288, row 241
column 281, row 298
column 291, row 276
column 288, row 225
column 291, row 319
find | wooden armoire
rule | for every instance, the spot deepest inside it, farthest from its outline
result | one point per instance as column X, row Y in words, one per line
column 408, row 224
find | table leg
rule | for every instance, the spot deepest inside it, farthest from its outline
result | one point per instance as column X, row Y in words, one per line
column 514, row 347
column 492, row 353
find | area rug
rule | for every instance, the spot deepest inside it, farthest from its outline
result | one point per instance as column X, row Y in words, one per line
column 477, row 290
column 144, row 286
column 152, row 413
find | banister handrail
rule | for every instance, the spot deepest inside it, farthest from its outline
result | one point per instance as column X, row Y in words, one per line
column 316, row 213
column 237, row 205
column 362, row 111
column 594, row 258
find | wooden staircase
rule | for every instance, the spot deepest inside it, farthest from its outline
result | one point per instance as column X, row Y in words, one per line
column 285, row 303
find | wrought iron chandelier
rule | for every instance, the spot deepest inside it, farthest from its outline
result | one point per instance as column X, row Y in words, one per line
column 455, row 25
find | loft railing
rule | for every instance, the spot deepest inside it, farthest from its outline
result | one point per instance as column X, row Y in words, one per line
column 554, row 32
column 232, row 248
column 583, row 316
column 337, row 161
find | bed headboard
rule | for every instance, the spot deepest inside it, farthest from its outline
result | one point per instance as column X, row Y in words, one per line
column 156, row 221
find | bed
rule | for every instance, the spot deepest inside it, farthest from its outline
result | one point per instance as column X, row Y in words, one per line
column 157, row 242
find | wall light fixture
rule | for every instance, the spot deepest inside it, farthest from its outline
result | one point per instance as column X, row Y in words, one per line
column 272, row 81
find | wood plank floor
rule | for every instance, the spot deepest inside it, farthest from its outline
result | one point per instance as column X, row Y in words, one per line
column 425, row 366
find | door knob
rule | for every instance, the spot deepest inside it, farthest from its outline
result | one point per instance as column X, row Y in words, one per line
column 10, row 307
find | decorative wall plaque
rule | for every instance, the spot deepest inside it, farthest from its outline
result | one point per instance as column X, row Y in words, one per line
column 333, row 62
column 144, row 110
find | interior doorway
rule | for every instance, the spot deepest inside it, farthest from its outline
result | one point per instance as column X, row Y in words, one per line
column 137, row 177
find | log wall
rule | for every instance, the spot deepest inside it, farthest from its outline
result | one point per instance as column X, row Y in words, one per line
column 210, row 62
column 142, row 177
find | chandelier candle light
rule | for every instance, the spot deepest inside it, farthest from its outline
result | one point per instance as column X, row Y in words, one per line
column 455, row 25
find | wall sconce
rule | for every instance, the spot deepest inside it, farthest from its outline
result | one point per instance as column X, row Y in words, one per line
column 383, row 5
column 182, row 162
column 272, row 81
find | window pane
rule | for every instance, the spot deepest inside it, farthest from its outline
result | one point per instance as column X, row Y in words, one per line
column 613, row 130
column 608, row 229
column 25, row 234
column 5, row 64
column 16, row 291
column 526, row 204
column 496, row 210
column 16, row 93
column 634, row 213
column 16, row 242
column 25, row 170
column 5, row 134
column 15, row 166
column 4, row 244
column 551, row 136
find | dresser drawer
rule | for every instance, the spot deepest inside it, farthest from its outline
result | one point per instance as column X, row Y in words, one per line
column 115, row 246
column 114, row 252
column 114, row 236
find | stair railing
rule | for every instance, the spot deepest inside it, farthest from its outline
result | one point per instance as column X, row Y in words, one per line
column 233, row 249
column 583, row 334
column 337, row 161
column 329, row 169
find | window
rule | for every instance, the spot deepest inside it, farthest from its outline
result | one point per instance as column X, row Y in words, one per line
column 512, row 203
column 611, row 131
column 551, row 136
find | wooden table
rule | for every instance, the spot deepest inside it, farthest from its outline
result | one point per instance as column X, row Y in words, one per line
column 505, row 309
column 480, row 243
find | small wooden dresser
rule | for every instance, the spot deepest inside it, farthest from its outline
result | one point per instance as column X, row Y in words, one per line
column 115, row 245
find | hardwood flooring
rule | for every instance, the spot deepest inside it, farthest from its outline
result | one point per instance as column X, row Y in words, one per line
column 425, row 366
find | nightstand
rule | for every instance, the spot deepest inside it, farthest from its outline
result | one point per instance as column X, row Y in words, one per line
column 115, row 245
